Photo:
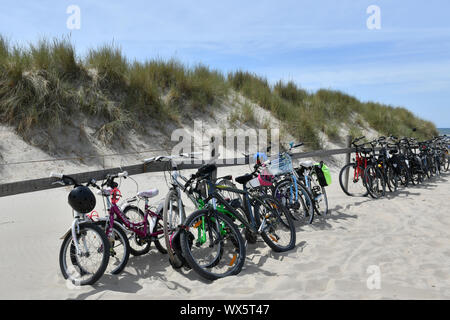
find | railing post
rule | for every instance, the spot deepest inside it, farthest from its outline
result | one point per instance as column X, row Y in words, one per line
column 214, row 153
column 347, row 160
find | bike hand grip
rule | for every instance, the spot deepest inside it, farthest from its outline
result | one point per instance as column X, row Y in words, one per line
column 149, row 160
column 190, row 154
column 56, row 175
column 122, row 174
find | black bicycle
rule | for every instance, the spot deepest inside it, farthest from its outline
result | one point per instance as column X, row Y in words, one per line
column 211, row 241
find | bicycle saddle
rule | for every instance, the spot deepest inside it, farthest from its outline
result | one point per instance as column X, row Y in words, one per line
column 244, row 179
column 148, row 193
column 307, row 164
column 229, row 177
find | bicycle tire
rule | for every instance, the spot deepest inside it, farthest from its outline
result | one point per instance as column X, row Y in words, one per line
column 174, row 260
column 124, row 239
column 68, row 242
column 304, row 199
column 316, row 208
column 370, row 181
column 277, row 210
column 353, row 166
column 237, row 260
column 142, row 246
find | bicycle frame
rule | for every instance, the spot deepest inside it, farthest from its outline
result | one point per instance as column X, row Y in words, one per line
column 361, row 165
column 78, row 218
column 215, row 197
column 140, row 228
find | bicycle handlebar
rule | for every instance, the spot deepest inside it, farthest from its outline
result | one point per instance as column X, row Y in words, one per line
column 165, row 157
column 67, row 180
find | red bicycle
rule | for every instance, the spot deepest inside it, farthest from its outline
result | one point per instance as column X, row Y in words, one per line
column 351, row 177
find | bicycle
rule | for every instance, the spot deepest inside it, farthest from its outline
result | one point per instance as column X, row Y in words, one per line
column 259, row 213
column 138, row 245
column 374, row 177
column 399, row 161
column 355, row 170
column 316, row 186
column 173, row 208
column 288, row 189
column 142, row 232
column 84, row 252
column 386, row 165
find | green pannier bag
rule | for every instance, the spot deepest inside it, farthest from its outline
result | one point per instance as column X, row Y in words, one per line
column 323, row 174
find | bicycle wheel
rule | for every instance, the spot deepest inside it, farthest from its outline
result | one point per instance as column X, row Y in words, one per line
column 433, row 166
column 212, row 244
column 119, row 251
column 228, row 195
column 320, row 201
column 319, row 195
column 413, row 178
column 437, row 166
column 300, row 209
column 87, row 266
column 160, row 241
column 275, row 224
column 138, row 246
column 375, row 182
column 446, row 162
column 404, row 176
column 427, row 168
column 418, row 174
column 392, row 179
column 172, row 218
column 355, row 186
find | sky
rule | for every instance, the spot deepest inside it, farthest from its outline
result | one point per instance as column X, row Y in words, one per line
column 315, row 43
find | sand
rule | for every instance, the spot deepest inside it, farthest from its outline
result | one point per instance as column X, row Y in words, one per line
column 405, row 237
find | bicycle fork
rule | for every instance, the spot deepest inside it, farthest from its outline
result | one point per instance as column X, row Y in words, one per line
column 76, row 228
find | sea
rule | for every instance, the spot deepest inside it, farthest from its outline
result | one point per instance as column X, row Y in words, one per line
column 444, row 131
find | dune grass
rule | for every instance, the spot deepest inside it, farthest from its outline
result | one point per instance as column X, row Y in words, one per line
column 43, row 84
column 306, row 114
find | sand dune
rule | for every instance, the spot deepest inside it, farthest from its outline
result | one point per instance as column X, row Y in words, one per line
column 406, row 237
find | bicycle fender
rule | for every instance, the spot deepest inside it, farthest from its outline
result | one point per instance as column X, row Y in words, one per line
column 125, row 205
column 65, row 234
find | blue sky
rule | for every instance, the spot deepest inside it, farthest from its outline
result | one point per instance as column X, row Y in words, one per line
column 317, row 44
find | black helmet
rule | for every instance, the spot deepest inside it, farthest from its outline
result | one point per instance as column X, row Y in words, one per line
column 82, row 199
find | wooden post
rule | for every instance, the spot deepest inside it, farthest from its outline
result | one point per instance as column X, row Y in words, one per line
column 214, row 154
column 347, row 160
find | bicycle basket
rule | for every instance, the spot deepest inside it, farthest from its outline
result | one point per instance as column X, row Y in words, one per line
column 281, row 165
column 264, row 179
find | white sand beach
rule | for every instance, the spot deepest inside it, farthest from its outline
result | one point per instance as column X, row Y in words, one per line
column 406, row 237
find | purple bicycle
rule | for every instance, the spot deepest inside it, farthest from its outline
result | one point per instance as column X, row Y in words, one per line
column 142, row 227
